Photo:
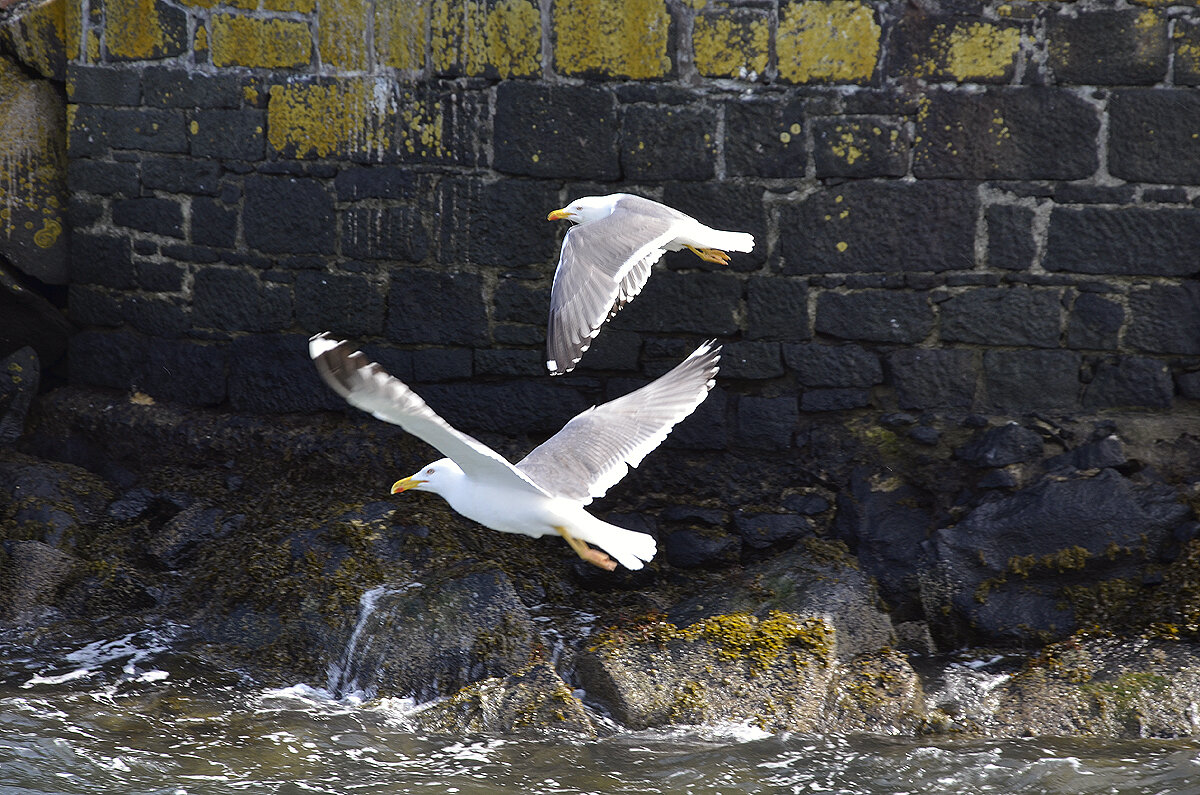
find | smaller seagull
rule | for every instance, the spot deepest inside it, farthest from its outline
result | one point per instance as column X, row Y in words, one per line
column 606, row 259
column 547, row 490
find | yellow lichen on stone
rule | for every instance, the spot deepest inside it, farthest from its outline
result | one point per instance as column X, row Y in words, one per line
column 200, row 43
column 728, row 47
column 134, row 30
column 400, row 34
column 73, row 30
column 298, row 6
column 342, row 33
column 626, row 39
column 821, row 42
column 321, row 120
column 981, row 50
column 506, row 37
column 38, row 37
column 250, row 41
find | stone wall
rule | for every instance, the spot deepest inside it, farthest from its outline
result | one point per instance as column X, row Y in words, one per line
column 987, row 207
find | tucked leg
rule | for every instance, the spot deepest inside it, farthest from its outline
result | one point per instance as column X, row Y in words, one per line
column 711, row 255
column 592, row 556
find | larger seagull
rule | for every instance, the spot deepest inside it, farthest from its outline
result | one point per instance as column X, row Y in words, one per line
column 546, row 491
column 606, row 259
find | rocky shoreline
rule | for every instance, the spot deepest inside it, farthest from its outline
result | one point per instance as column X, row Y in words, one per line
column 911, row 575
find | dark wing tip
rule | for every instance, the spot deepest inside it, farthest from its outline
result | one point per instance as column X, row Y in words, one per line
column 336, row 362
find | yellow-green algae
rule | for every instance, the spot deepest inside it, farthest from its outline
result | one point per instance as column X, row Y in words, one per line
column 134, row 30
column 823, row 42
column 729, row 46
column 626, row 39
column 237, row 40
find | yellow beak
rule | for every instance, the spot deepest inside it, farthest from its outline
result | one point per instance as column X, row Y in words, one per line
column 406, row 484
column 558, row 215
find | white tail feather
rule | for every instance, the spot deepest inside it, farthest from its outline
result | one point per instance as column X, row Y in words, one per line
column 732, row 241
column 629, row 548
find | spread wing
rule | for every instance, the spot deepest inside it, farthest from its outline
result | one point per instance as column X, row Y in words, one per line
column 596, row 448
column 366, row 385
column 603, row 265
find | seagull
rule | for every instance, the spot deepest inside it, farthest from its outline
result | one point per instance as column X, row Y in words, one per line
column 547, row 490
column 606, row 259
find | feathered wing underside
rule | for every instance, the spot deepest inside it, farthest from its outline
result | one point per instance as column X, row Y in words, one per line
column 603, row 265
column 596, row 448
column 367, row 386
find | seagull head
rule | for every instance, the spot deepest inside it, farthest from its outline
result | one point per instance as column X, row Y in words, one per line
column 434, row 477
column 588, row 208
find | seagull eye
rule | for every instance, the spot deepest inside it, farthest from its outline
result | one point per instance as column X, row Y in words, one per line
column 429, row 471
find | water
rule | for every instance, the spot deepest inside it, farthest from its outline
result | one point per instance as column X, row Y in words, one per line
column 142, row 713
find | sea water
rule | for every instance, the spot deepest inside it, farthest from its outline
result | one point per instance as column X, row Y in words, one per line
column 140, row 713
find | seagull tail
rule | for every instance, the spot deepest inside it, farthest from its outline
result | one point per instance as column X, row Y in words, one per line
column 629, row 548
column 731, row 241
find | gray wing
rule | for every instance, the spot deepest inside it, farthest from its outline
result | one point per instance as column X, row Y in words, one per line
column 603, row 266
column 595, row 449
column 366, row 385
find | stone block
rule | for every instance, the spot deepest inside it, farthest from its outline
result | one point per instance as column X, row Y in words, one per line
column 509, row 362
column 776, row 309
column 1108, row 47
column 103, row 85
column 36, row 36
column 442, row 307
column 170, row 87
column 875, row 315
column 664, row 143
column 1130, row 382
column 1187, row 52
column 493, row 38
column 1094, row 322
column 160, row 277
column 1152, row 135
column 154, row 316
column 228, row 134
column 1000, row 446
column 500, row 223
column 1123, row 241
column 929, row 378
column 834, row 399
column 347, row 304
column 1031, row 380
column 1006, row 133
column 106, row 179
column 880, row 227
column 694, row 548
column 1189, row 385
column 431, row 365
column 763, row 530
column 860, row 147
column 105, row 358
column 379, row 182
column 1010, row 243
column 1165, row 319
column 391, row 233
column 556, row 131
column 272, row 373
column 612, row 350
column 180, row 175
column 226, row 299
column 827, row 42
column 954, row 48
column 698, row 303
column 269, row 43
column 149, row 214
column 101, row 259
column 89, row 306
column 629, row 40
column 764, row 137
column 731, row 42
column 1003, row 316
column 520, row 301
column 532, row 406
column 184, row 371
column 143, row 30
column 721, row 205
column 288, row 215
column 95, row 129
column 213, row 223
column 833, row 365
column 751, row 360
column 766, row 423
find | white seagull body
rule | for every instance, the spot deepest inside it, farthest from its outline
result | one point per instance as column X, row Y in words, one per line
column 545, row 493
column 606, row 259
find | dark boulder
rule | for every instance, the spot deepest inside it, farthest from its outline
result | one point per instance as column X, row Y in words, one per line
column 48, row 501
column 997, row 447
column 19, row 378
column 31, row 574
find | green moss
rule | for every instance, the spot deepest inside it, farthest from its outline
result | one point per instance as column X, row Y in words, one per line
column 741, row 636
column 1120, row 696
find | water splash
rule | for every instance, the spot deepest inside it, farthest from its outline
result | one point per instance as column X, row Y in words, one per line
column 342, row 678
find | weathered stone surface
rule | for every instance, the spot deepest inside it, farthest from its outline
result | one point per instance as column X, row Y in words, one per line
column 19, row 379
column 697, row 303
column 1004, row 568
column 391, row 233
column 933, row 377
column 1004, row 133
column 1103, row 47
column 238, row 300
column 632, row 41
column 764, row 530
column 1166, row 318
column 833, row 365
column 1003, row 316
column 1127, row 241
column 766, row 423
column 150, row 214
column 1031, row 380
column 429, row 640
column 765, row 138
column 1130, row 381
column 732, row 42
column 436, row 306
column 855, row 228
column 27, row 319
column 33, row 169
column 228, row 134
column 677, row 143
column 954, row 47
column 34, row 571
column 776, row 310
column 556, row 131
column 875, row 315
column 997, row 447
column 1100, row 454
column 860, row 148
column 95, row 130
column 46, row 501
column 272, row 373
column 345, row 304
column 1094, row 322
column 288, row 215
column 1151, row 136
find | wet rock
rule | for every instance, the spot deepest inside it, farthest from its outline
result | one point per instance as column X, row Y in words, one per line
column 19, row 377
column 763, row 530
column 692, row 548
column 48, row 501
column 175, row 543
column 533, row 700
column 997, row 447
column 32, row 572
column 1002, row 571
column 430, row 640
